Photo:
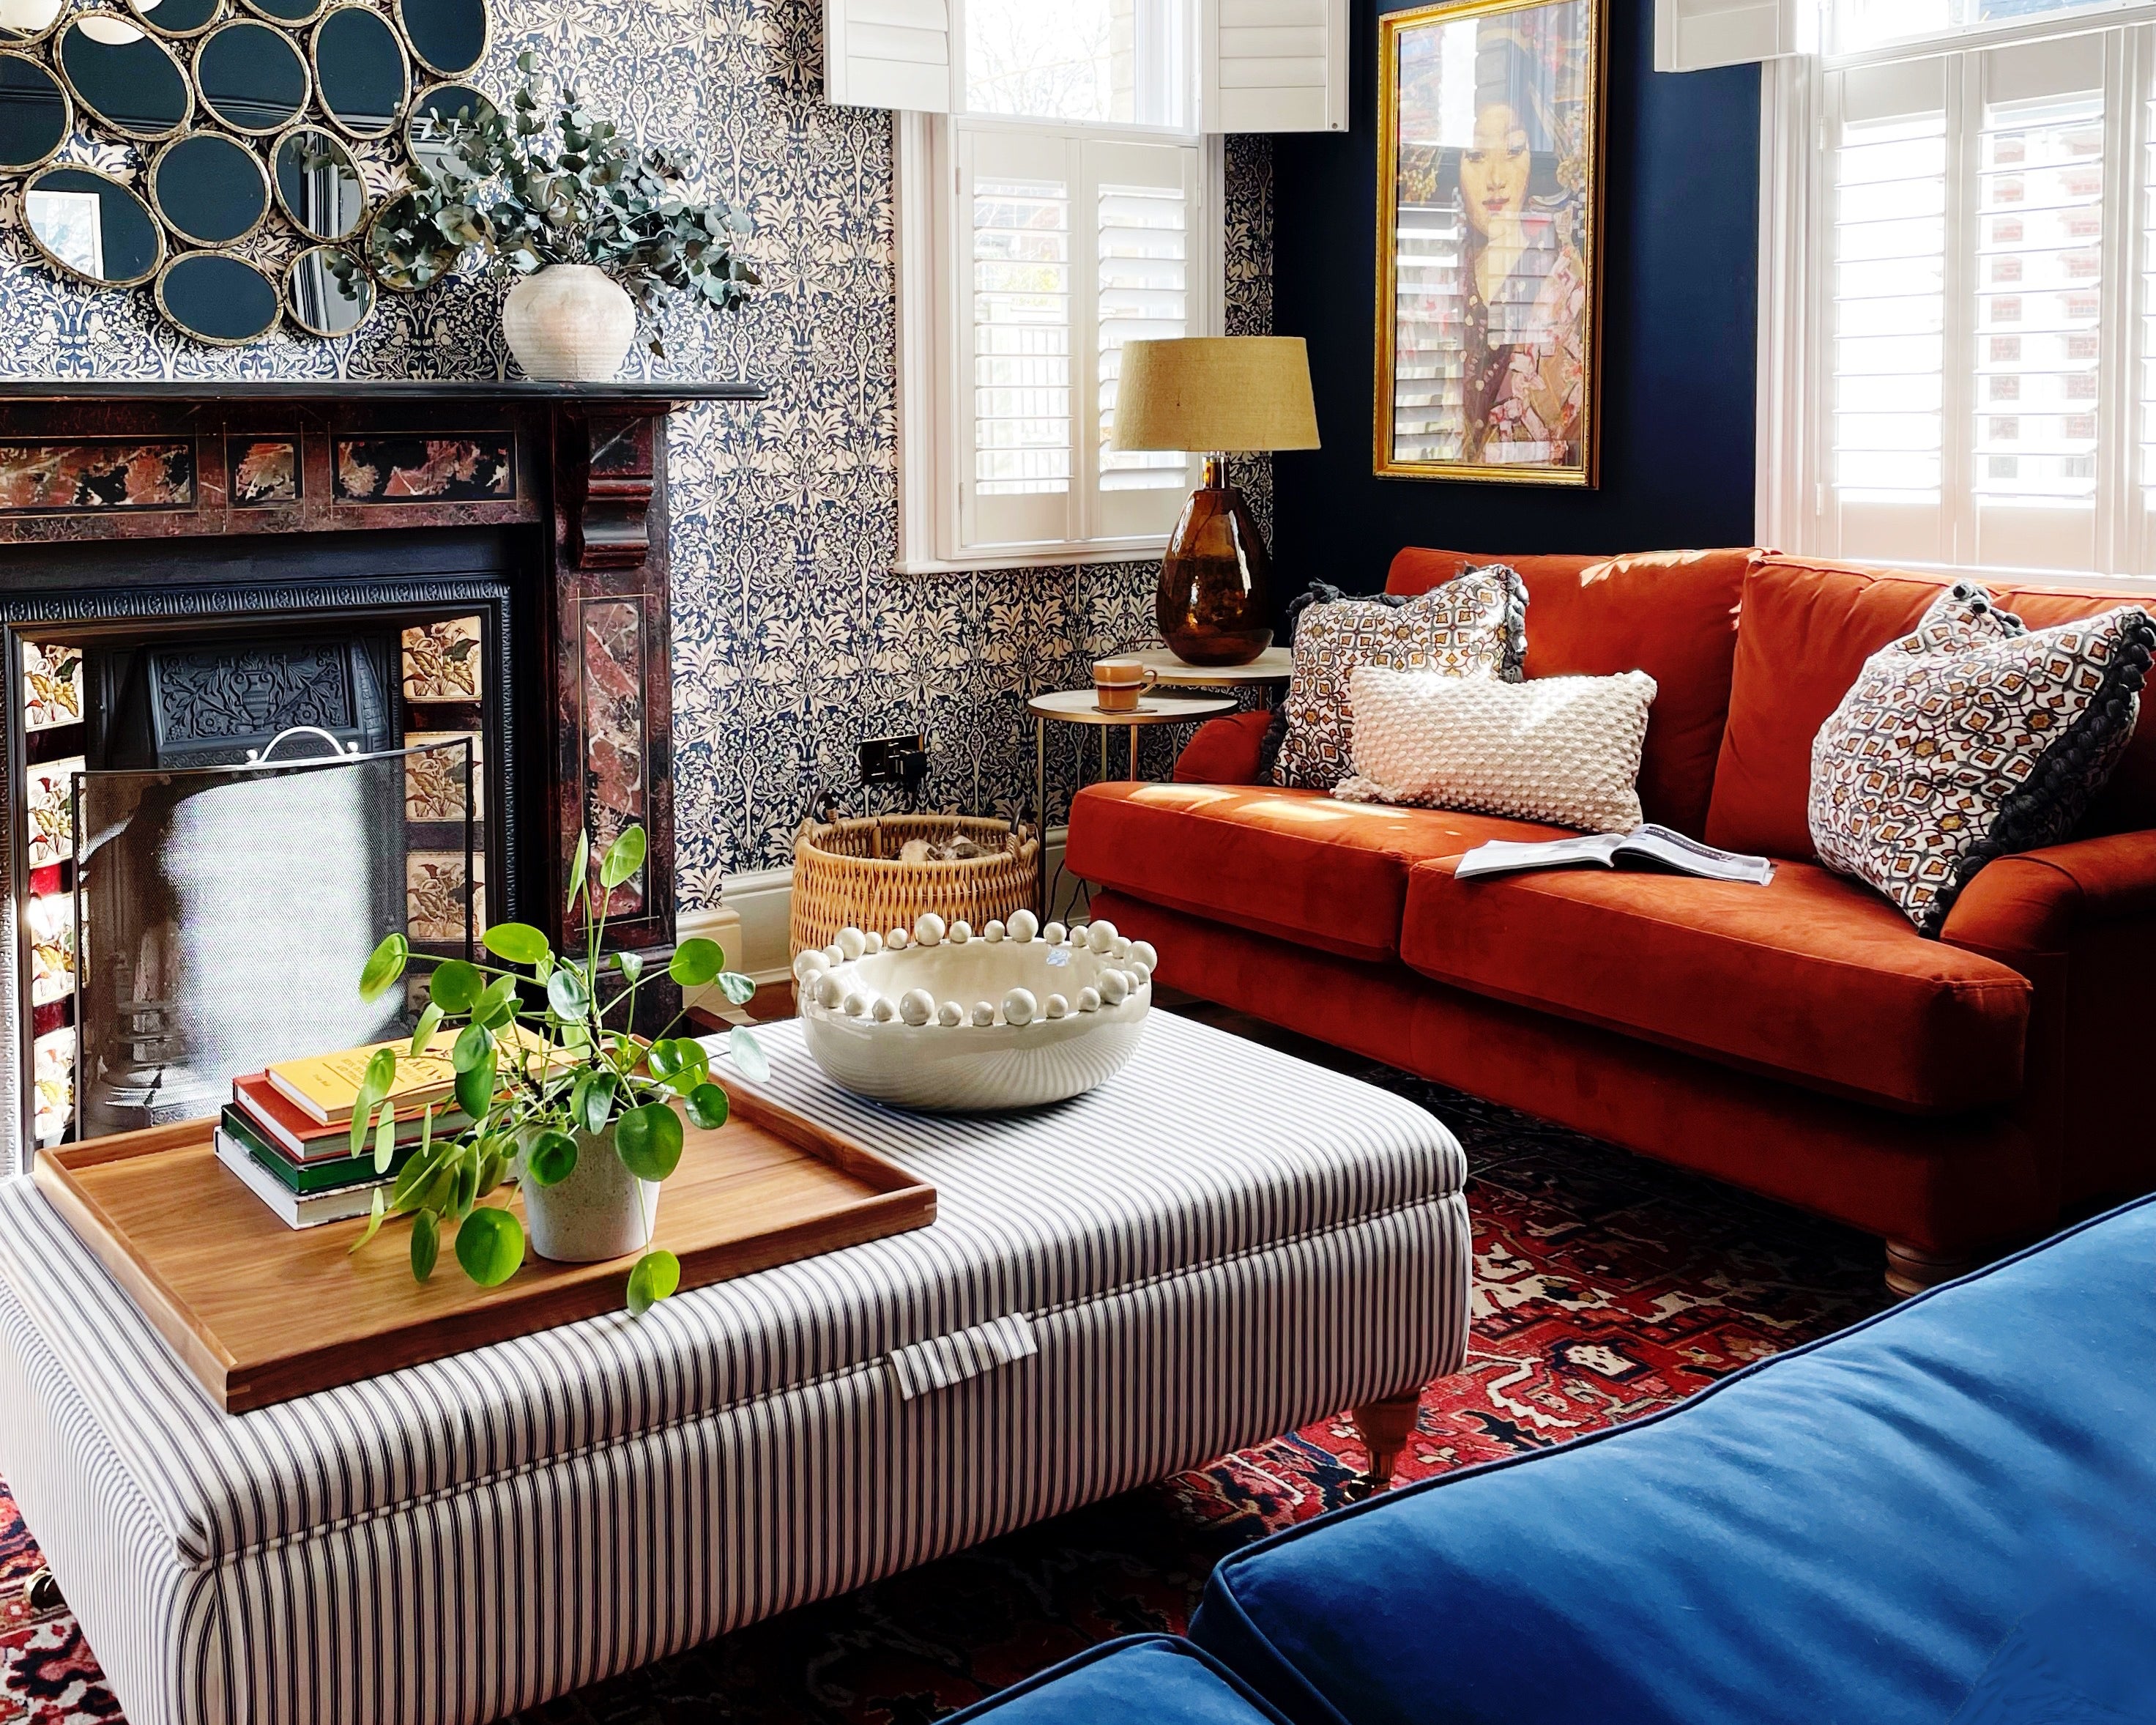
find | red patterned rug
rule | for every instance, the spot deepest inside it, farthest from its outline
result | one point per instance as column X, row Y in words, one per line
column 1606, row 1286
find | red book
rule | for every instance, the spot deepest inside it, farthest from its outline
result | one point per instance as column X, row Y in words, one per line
column 291, row 1133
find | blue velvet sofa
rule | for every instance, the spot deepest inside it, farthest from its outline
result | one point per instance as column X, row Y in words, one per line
column 1943, row 1516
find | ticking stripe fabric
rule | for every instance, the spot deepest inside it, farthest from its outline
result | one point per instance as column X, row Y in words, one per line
column 1217, row 1245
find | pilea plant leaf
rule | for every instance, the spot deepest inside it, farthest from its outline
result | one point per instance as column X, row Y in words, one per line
column 624, row 858
column 376, row 1211
column 456, row 985
column 648, row 1141
column 695, row 962
column 552, row 1158
column 519, row 943
column 490, row 1246
column 657, row 1275
column 426, row 1245
column 384, row 965
column 708, row 1106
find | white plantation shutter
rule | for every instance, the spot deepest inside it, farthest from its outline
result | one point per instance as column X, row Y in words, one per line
column 1982, row 286
column 888, row 54
column 1072, row 246
column 1273, row 65
column 1691, row 35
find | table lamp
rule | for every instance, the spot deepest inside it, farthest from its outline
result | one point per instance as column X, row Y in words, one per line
column 1209, row 395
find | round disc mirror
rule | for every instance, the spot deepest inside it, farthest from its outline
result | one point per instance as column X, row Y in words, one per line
column 125, row 78
column 252, row 77
column 35, row 114
column 210, row 189
column 287, row 11
column 448, row 37
column 361, row 67
column 440, row 103
column 175, row 17
column 26, row 21
column 217, row 299
column 91, row 226
column 399, row 259
column 318, row 184
column 327, row 291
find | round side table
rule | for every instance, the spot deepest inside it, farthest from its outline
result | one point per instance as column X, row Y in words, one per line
column 1269, row 672
column 1077, row 707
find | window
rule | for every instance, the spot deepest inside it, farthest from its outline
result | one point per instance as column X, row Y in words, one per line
column 1965, row 374
column 1060, row 195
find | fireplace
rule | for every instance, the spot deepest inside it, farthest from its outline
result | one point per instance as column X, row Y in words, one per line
column 437, row 612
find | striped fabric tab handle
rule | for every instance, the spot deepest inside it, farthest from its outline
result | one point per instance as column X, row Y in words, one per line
column 941, row 1361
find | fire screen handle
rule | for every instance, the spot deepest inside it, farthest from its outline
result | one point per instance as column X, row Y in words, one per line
column 260, row 757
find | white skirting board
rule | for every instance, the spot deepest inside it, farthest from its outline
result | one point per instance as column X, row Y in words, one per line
column 750, row 921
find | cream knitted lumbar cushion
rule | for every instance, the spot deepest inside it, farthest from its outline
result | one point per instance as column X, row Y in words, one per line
column 1564, row 750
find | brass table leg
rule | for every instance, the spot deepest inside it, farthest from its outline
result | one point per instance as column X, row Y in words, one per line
column 1041, row 814
column 1385, row 1427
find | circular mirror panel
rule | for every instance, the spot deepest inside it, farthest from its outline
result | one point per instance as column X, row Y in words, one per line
column 26, row 21
column 448, row 37
column 210, row 189
column 360, row 68
column 252, row 77
column 126, row 78
column 175, row 17
column 286, row 11
column 318, row 186
column 217, row 299
column 90, row 225
column 440, row 103
column 35, row 115
column 400, row 259
column 327, row 291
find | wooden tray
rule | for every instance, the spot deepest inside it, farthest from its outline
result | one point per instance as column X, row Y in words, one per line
column 262, row 1313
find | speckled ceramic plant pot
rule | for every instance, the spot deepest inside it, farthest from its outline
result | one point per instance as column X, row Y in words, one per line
column 569, row 323
column 601, row 1211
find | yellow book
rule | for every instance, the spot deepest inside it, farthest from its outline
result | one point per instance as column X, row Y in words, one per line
column 324, row 1087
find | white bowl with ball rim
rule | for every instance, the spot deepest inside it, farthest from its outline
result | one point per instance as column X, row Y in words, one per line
column 948, row 1020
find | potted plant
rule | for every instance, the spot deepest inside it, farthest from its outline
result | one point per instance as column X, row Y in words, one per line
column 597, row 232
column 574, row 1108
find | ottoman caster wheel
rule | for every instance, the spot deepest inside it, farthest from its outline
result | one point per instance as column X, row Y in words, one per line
column 43, row 1591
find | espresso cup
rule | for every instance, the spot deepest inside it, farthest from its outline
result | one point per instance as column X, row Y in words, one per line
column 1118, row 684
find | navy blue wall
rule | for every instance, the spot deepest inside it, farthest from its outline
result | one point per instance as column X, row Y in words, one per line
column 1680, row 298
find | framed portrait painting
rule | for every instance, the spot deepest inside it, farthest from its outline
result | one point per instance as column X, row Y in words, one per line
column 1489, row 219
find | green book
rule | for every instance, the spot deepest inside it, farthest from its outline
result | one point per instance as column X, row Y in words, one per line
column 314, row 1176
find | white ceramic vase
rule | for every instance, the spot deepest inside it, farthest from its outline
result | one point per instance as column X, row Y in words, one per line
column 601, row 1211
column 570, row 323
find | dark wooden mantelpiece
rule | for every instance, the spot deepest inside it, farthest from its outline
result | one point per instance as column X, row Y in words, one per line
column 581, row 466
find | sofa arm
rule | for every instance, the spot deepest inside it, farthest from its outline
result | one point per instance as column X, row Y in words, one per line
column 1229, row 751
column 2037, row 901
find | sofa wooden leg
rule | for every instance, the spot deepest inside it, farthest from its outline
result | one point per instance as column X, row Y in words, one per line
column 1910, row 1270
column 41, row 1593
column 1385, row 1426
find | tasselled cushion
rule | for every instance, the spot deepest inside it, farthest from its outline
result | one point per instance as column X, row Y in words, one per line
column 1968, row 739
column 1474, row 625
column 1559, row 749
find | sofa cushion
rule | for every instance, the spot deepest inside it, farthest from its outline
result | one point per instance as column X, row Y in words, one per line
column 1289, row 863
column 1148, row 1680
column 1807, row 628
column 1811, row 978
column 1885, row 1526
column 1670, row 613
column 1971, row 738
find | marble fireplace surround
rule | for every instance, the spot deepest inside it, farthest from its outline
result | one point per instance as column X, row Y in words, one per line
column 540, row 508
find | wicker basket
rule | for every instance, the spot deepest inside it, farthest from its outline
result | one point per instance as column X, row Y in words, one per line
column 847, row 873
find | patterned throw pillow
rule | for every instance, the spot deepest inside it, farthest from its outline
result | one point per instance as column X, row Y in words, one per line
column 1474, row 625
column 1969, row 739
column 1559, row 749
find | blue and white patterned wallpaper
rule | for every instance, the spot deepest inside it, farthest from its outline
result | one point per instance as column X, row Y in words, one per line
column 792, row 639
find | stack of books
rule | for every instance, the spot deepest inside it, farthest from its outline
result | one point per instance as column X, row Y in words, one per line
column 288, row 1132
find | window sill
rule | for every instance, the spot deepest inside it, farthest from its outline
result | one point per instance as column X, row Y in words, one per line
column 1055, row 557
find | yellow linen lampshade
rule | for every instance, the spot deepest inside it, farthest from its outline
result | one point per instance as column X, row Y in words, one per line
column 1215, row 393
column 1210, row 395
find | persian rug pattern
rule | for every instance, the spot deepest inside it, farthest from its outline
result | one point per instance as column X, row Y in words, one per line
column 1606, row 1286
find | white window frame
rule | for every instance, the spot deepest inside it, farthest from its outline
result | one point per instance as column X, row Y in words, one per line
column 934, row 428
column 1795, row 501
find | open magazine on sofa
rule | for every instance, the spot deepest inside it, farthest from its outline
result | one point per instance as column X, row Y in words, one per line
column 1646, row 847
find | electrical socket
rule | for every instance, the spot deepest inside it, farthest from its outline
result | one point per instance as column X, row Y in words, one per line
column 884, row 758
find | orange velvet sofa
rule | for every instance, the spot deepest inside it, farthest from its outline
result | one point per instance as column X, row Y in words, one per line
column 1801, row 1040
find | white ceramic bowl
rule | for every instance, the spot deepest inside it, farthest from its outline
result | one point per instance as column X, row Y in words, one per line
column 1008, row 1049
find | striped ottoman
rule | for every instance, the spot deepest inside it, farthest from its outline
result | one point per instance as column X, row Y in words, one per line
column 1218, row 1245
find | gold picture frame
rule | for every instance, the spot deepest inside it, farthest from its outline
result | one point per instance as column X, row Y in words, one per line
column 1488, row 363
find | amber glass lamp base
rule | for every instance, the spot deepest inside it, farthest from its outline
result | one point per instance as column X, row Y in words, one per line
column 1214, row 604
